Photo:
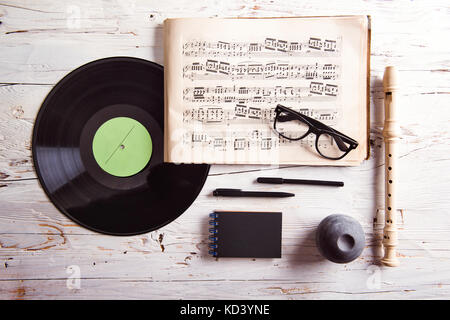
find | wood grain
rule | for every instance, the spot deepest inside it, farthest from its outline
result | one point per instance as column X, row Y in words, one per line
column 43, row 41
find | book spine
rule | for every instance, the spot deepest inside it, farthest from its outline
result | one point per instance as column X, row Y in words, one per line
column 213, row 237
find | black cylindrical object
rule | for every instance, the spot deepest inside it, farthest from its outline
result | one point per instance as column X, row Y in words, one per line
column 340, row 238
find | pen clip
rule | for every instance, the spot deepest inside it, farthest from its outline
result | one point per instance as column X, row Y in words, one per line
column 226, row 192
column 270, row 180
column 226, row 189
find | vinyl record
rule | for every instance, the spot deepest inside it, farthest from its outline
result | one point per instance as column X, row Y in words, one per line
column 98, row 149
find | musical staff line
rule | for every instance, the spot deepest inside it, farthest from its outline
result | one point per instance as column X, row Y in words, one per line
column 270, row 47
column 243, row 114
column 317, row 91
column 256, row 140
column 220, row 70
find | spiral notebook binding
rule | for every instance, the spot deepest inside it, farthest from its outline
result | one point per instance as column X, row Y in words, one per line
column 213, row 238
column 213, row 253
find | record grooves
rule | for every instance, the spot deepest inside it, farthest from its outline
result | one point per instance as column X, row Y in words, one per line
column 98, row 149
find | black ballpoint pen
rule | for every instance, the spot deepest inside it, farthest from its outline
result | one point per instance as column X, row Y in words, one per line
column 240, row 193
column 300, row 181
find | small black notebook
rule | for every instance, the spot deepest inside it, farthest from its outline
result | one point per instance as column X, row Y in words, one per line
column 245, row 234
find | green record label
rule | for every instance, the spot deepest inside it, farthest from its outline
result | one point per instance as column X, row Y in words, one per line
column 122, row 146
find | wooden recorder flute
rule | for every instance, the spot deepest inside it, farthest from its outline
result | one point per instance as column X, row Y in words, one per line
column 391, row 134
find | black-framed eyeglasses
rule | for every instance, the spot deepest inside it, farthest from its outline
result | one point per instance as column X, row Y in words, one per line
column 330, row 143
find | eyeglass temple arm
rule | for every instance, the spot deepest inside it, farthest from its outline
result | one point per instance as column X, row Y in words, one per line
column 341, row 145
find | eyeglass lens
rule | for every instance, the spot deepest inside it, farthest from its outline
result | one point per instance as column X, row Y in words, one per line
column 291, row 127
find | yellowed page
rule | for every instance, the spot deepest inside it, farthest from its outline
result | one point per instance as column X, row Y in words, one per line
column 224, row 77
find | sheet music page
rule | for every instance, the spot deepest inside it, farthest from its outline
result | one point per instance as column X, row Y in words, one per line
column 224, row 78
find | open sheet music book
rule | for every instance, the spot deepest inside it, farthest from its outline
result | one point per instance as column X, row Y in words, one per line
column 224, row 77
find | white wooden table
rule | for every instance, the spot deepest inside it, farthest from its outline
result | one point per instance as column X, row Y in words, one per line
column 42, row 253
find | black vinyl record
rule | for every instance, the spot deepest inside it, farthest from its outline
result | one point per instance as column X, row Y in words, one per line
column 66, row 164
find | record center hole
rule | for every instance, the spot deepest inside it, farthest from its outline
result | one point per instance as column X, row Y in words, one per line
column 346, row 242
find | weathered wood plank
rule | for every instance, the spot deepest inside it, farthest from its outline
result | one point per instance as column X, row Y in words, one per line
column 422, row 127
column 225, row 289
column 43, row 52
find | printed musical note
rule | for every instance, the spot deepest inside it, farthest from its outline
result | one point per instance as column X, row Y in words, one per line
column 315, row 43
column 331, row 90
column 316, row 88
